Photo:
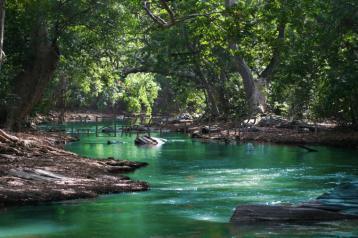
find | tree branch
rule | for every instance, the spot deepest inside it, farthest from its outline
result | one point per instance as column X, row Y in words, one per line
column 275, row 60
column 173, row 19
column 155, row 18
column 169, row 10
column 149, row 69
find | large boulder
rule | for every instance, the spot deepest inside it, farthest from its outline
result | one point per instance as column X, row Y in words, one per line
column 340, row 203
column 344, row 197
column 267, row 213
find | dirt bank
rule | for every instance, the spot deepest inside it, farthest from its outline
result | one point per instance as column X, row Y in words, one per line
column 338, row 137
column 34, row 168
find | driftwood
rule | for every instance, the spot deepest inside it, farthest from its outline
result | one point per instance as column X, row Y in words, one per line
column 5, row 137
column 122, row 166
column 145, row 140
column 36, row 174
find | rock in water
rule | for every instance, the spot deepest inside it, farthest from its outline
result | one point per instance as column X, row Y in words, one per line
column 340, row 203
column 344, row 197
column 113, row 142
column 265, row 213
column 108, row 130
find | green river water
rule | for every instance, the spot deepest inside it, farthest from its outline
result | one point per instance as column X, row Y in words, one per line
column 194, row 190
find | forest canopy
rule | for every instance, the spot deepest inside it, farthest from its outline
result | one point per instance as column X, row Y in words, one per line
column 222, row 59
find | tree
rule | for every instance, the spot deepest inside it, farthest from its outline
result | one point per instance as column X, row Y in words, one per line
column 2, row 30
column 46, row 24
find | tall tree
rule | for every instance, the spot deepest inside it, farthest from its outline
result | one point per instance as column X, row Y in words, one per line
column 47, row 25
column 2, row 30
column 253, row 87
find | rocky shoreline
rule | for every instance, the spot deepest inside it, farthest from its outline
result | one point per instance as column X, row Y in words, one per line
column 34, row 168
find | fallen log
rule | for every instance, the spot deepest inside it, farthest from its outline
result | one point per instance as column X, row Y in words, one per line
column 36, row 174
column 145, row 140
column 7, row 137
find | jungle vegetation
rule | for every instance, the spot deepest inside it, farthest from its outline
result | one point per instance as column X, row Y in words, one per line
column 218, row 58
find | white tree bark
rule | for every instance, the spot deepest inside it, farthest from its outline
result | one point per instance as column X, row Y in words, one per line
column 255, row 98
column 2, row 30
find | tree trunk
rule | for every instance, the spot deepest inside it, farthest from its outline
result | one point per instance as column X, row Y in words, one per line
column 255, row 98
column 213, row 106
column 62, row 99
column 30, row 84
column 214, row 109
column 2, row 30
column 223, row 98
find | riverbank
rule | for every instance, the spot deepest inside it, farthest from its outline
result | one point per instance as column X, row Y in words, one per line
column 333, row 137
column 34, row 168
column 268, row 129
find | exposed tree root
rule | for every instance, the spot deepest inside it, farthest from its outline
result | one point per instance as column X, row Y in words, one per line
column 33, row 169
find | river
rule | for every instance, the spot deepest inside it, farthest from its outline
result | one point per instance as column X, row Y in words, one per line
column 194, row 189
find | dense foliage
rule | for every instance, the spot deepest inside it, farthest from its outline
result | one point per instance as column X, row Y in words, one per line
column 176, row 56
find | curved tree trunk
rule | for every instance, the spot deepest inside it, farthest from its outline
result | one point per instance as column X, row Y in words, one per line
column 254, row 89
column 30, row 84
column 2, row 30
column 255, row 98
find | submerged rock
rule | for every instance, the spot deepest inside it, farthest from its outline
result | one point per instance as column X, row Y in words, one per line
column 344, row 198
column 114, row 142
column 108, row 130
column 267, row 213
column 340, row 203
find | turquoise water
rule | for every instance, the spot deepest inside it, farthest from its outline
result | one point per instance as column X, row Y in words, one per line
column 194, row 190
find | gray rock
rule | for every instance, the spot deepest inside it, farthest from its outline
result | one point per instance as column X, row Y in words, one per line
column 340, row 203
column 266, row 213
